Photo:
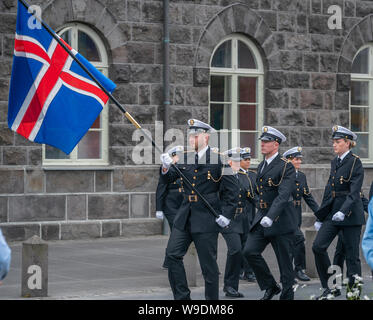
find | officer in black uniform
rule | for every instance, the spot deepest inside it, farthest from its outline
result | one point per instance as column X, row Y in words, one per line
column 233, row 233
column 194, row 221
column 340, row 251
column 274, row 222
column 248, row 181
column 341, row 209
column 301, row 191
column 169, row 197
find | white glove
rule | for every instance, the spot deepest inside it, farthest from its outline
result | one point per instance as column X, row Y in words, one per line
column 222, row 221
column 166, row 160
column 317, row 225
column 338, row 216
column 266, row 222
column 159, row 214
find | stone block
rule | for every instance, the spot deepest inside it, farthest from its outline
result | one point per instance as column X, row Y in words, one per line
column 103, row 181
column 117, row 156
column 196, row 96
column 14, row 156
column 185, row 55
column 14, row 181
column 34, row 156
column 364, row 8
column 278, row 99
column 5, row 69
column 293, row 118
column 112, row 206
column 323, row 81
column 302, row 23
column 120, row 73
column 270, row 18
column 297, row 80
column 4, row 89
column 321, row 43
column 310, row 137
column 139, row 206
column 34, row 182
column 181, row 75
column 141, row 227
column 343, row 82
column 138, row 52
column 134, row 10
column 76, row 207
column 265, row 4
column 80, row 230
column 179, row 115
column 262, row 33
column 3, row 209
column 34, row 268
column 8, row 23
column 145, row 73
column 328, row 63
column 342, row 100
column 127, row 93
column 311, row 62
column 148, row 33
column 36, row 208
column 180, row 34
column 143, row 180
column 144, row 94
column 152, row 12
column 365, row 28
column 298, row 42
column 286, row 60
column 20, row 232
column 286, row 22
column 311, row 99
column 50, row 232
column 69, row 181
column 179, row 96
column 275, row 80
column 110, row 229
column 201, row 77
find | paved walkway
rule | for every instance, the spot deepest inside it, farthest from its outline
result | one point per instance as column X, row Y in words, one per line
column 130, row 268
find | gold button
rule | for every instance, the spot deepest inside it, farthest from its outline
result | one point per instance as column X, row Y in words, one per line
column 192, row 191
column 332, row 184
column 240, row 196
column 239, row 202
column 297, row 184
column 193, row 184
column 194, row 177
column 332, row 177
column 261, row 187
column 261, row 193
column 261, row 200
column 195, row 170
column 297, row 189
column 297, row 195
column 261, row 180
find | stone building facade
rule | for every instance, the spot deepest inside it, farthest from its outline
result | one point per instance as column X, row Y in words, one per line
column 307, row 82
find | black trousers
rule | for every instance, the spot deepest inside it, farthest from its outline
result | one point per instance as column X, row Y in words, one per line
column 206, row 245
column 299, row 252
column 282, row 246
column 245, row 267
column 234, row 258
column 351, row 242
column 170, row 219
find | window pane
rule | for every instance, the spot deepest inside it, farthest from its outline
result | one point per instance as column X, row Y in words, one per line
column 247, row 117
column 89, row 146
column 359, row 119
column 361, row 62
column 220, row 116
column 247, row 89
column 220, row 88
column 359, row 93
column 223, row 56
column 245, row 57
column 249, row 139
column 54, row 153
column 361, row 148
column 67, row 36
column 87, row 48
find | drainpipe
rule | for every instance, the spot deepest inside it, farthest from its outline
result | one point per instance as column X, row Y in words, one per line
column 166, row 80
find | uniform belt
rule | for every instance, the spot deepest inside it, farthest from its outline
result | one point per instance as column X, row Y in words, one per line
column 297, row 202
column 175, row 190
column 340, row 193
column 194, row 197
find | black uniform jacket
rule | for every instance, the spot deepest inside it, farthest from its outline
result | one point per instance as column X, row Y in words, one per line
column 302, row 191
column 214, row 181
column 169, row 197
column 342, row 192
column 274, row 187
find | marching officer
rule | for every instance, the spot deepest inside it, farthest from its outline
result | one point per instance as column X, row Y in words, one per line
column 248, row 181
column 232, row 235
column 301, row 191
column 194, row 221
column 169, row 196
column 274, row 222
column 341, row 209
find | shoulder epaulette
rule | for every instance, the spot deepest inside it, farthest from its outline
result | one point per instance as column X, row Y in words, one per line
column 252, row 171
column 356, row 156
column 284, row 159
column 241, row 172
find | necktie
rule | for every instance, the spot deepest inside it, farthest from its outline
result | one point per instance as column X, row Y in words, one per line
column 265, row 166
column 339, row 162
column 196, row 158
column 296, row 174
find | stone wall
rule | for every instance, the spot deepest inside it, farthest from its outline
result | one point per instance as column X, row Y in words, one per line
column 306, row 91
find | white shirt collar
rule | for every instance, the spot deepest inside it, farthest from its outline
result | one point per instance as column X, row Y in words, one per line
column 271, row 158
column 202, row 152
column 344, row 155
column 243, row 170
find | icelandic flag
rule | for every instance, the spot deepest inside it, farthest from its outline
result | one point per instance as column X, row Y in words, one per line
column 52, row 100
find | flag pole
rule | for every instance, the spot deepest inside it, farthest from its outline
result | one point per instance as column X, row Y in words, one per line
column 117, row 103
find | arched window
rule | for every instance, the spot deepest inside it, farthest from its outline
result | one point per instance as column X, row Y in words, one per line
column 361, row 101
column 236, row 93
column 93, row 148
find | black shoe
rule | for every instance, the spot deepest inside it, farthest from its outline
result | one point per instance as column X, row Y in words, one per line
column 302, row 276
column 250, row 277
column 271, row 292
column 230, row 292
column 329, row 293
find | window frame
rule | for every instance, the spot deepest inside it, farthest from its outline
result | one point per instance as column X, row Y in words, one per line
column 369, row 78
column 103, row 66
column 234, row 72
